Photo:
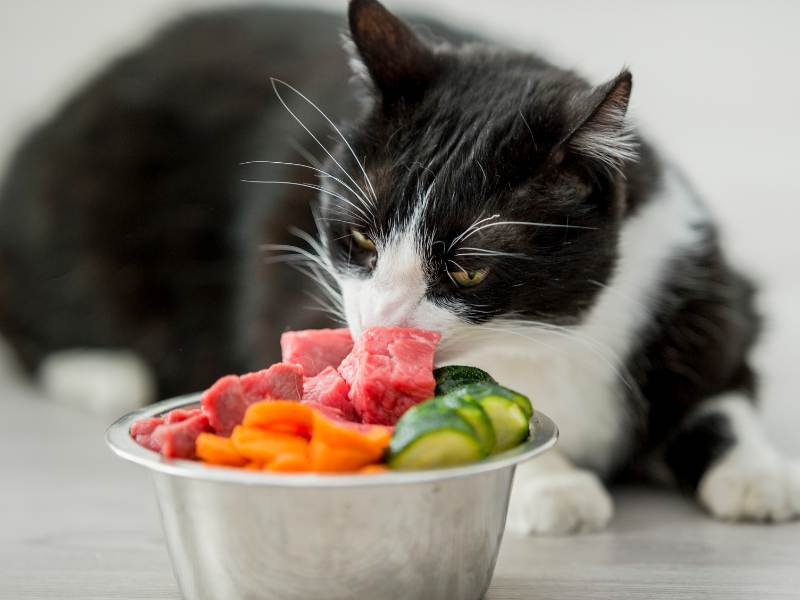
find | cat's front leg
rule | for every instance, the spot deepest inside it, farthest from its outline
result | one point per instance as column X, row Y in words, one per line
column 553, row 497
column 722, row 454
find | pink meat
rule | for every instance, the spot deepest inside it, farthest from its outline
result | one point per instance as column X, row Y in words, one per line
column 177, row 440
column 329, row 389
column 316, row 349
column 390, row 370
column 332, row 413
column 142, row 431
column 181, row 414
column 173, row 435
column 227, row 400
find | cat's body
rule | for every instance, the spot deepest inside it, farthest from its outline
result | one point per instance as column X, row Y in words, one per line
column 482, row 193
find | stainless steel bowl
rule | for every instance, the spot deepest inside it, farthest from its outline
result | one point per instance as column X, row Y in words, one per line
column 236, row 534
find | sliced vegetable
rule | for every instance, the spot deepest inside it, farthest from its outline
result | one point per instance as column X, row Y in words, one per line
column 429, row 436
column 329, row 459
column 505, row 409
column 218, row 450
column 289, row 463
column 474, row 414
column 287, row 416
column 374, row 468
column 455, row 376
column 263, row 446
column 371, row 440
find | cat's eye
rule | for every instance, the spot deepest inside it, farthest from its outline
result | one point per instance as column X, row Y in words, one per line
column 362, row 240
column 469, row 278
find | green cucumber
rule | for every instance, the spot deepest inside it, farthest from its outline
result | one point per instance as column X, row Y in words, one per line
column 455, row 376
column 429, row 436
column 508, row 411
column 474, row 414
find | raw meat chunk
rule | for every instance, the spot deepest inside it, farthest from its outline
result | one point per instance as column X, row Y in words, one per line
column 226, row 401
column 316, row 349
column 390, row 370
column 329, row 389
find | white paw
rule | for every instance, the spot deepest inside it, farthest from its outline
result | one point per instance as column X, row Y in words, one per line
column 738, row 490
column 101, row 381
column 558, row 504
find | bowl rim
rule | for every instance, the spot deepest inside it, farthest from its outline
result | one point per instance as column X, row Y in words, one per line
column 544, row 435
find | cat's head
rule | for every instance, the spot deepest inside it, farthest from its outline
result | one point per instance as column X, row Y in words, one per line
column 480, row 187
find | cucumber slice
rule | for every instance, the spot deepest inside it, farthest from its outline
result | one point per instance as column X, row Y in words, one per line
column 509, row 422
column 507, row 410
column 474, row 414
column 522, row 401
column 429, row 436
column 455, row 376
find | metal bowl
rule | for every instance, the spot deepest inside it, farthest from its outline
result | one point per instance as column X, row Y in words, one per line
column 428, row 535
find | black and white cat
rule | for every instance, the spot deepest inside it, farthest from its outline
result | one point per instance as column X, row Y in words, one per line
column 476, row 191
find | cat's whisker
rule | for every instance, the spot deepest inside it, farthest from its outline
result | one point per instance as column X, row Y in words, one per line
column 318, row 188
column 323, row 306
column 523, row 224
column 274, row 83
column 308, row 266
column 491, row 253
column 336, row 303
column 315, row 169
column 332, row 220
column 296, row 250
column 467, row 231
column 460, row 268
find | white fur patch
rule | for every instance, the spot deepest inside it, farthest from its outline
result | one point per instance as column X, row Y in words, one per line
column 104, row 382
column 751, row 482
column 551, row 497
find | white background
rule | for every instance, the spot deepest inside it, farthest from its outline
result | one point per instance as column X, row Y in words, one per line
column 715, row 83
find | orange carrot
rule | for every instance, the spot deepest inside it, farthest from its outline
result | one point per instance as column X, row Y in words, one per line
column 371, row 440
column 289, row 463
column 328, row 459
column 218, row 450
column 287, row 416
column 373, row 469
column 260, row 445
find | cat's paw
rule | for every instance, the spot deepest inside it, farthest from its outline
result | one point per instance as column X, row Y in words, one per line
column 559, row 504
column 737, row 490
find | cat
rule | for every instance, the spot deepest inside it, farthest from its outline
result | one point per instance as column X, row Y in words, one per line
column 465, row 188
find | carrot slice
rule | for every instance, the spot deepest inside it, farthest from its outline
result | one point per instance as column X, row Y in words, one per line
column 328, row 459
column 218, row 450
column 373, row 469
column 287, row 416
column 371, row 440
column 289, row 463
column 254, row 465
column 260, row 445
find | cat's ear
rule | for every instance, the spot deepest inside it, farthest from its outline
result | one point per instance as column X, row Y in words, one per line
column 601, row 131
column 398, row 63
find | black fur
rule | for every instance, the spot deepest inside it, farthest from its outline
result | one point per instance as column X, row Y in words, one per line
column 695, row 446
